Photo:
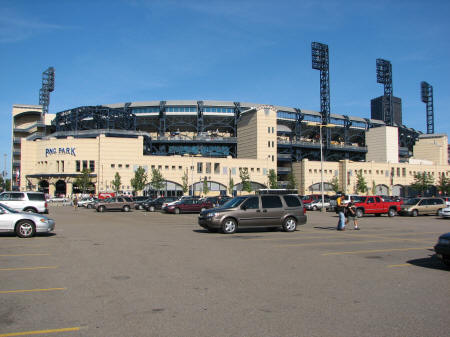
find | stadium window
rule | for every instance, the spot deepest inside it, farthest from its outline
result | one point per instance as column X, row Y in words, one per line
column 113, row 165
column 78, row 166
column 166, row 167
column 173, row 167
column 268, row 144
column 91, row 165
column 153, row 166
column 273, row 129
column 127, row 166
column 258, row 170
column 120, row 165
column 233, row 171
column 208, row 168
column 199, row 167
column 273, row 158
column 404, row 172
column 268, row 129
column 315, row 170
column 159, row 167
column 398, row 171
column 273, row 145
column 180, row 167
column 85, row 164
column 216, row 168
column 57, row 166
column 252, row 169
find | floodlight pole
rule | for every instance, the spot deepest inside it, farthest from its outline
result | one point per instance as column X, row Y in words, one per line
column 321, row 168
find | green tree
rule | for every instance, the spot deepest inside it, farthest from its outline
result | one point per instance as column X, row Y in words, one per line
column 273, row 180
column 292, row 183
column 230, row 186
column 335, row 184
column 245, row 179
column 443, row 185
column 117, row 182
column 205, row 186
column 2, row 184
column 139, row 180
column 185, row 180
column 374, row 187
column 422, row 181
column 84, row 181
column 361, row 184
column 157, row 181
column 8, row 185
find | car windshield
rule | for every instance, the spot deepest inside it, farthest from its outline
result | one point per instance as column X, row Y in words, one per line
column 10, row 210
column 358, row 199
column 234, row 202
column 413, row 201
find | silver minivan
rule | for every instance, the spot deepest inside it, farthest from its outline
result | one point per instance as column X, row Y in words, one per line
column 267, row 210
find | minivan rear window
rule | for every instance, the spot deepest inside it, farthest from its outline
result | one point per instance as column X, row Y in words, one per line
column 291, row 200
column 36, row 196
column 271, row 201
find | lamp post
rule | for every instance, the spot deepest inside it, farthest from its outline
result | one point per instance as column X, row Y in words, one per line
column 320, row 125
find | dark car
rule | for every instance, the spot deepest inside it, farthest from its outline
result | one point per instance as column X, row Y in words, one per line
column 272, row 211
column 217, row 201
column 188, row 206
column 140, row 200
column 442, row 248
column 157, row 203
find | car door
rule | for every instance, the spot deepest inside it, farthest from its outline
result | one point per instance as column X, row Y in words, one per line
column 378, row 206
column 422, row 206
column 370, row 205
column 250, row 212
column 436, row 204
column 272, row 210
column 6, row 220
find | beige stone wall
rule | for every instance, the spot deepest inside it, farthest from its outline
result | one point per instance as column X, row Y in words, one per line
column 257, row 134
column 124, row 155
column 308, row 173
column 433, row 148
column 382, row 144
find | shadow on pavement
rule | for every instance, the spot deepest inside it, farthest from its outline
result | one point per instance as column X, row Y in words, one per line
column 329, row 228
column 431, row 262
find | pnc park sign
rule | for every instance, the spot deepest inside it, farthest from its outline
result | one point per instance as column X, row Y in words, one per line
column 61, row 151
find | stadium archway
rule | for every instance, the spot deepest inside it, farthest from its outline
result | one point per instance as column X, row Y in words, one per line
column 327, row 187
column 170, row 189
column 43, row 186
column 60, row 188
column 398, row 190
column 213, row 187
column 381, row 190
column 255, row 186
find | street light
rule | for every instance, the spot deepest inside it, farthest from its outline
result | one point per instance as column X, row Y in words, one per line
column 320, row 125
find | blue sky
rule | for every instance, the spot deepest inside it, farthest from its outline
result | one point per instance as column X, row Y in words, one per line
column 254, row 51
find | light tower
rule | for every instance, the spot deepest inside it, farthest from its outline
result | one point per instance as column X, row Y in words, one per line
column 320, row 61
column 48, row 85
column 384, row 76
column 427, row 97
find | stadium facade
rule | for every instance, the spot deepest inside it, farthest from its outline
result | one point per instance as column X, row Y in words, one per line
column 213, row 140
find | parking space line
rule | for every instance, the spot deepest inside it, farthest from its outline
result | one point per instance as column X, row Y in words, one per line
column 29, row 290
column 400, row 265
column 376, row 251
column 348, row 242
column 4, row 255
column 38, row 332
column 29, row 268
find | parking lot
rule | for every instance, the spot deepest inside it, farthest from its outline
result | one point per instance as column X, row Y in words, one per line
column 154, row 274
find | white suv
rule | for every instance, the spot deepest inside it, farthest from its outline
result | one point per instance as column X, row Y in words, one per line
column 25, row 201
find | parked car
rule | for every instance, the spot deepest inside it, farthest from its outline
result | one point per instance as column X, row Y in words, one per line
column 156, row 204
column 184, row 197
column 33, row 202
column 317, row 204
column 124, row 204
column 140, row 200
column 84, row 201
column 416, row 206
column 217, row 200
column 25, row 225
column 285, row 211
column 445, row 212
column 376, row 205
column 442, row 248
column 310, row 198
column 93, row 203
column 347, row 199
column 58, row 199
column 188, row 206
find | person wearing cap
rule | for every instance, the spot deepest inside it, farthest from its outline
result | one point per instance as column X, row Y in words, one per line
column 341, row 209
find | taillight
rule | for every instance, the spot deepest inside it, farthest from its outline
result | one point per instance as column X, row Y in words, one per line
column 304, row 210
column 46, row 205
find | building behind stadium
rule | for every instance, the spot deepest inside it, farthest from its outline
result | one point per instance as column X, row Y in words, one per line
column 212, row 141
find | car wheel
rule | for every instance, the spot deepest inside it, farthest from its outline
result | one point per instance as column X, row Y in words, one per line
column 140, row 207
column 229, row 226
column 152, row 208
column 314, row 208
column 126, row 208
column 415, row 213
column 177, row 211
column 392, row 212
column 439, row 212
column 25, row 229
column 101, row 209
column 289, row 224
column 30, row 210
column 359, row 213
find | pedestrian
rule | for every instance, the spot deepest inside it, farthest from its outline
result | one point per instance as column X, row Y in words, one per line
column 340, row 210
column 75, row 202
column 351, row 215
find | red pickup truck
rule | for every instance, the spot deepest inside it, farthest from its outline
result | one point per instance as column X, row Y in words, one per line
column 375, row 205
